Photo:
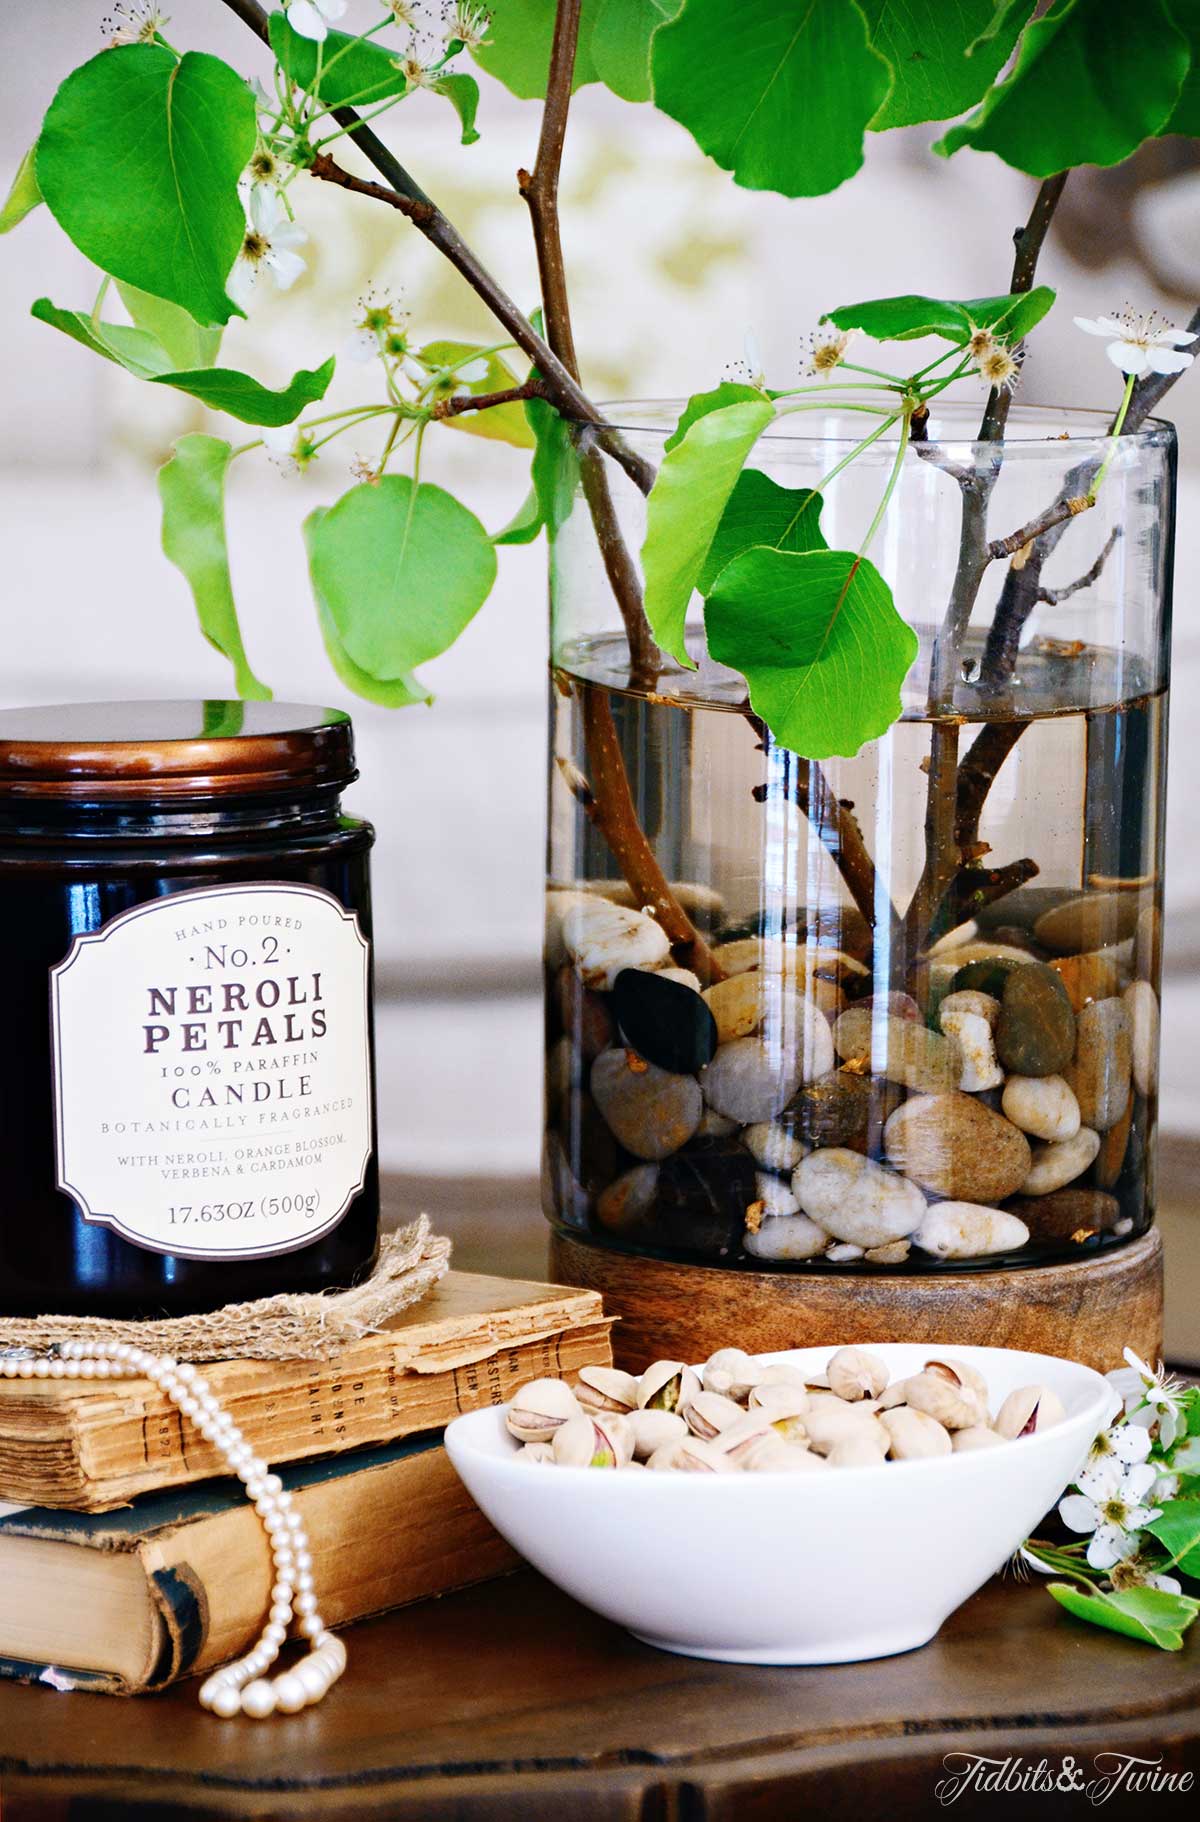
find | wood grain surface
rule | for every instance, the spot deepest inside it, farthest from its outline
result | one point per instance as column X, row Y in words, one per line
column 1088, row 1309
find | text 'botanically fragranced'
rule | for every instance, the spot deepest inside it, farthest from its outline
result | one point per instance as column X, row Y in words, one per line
column 212, row 1070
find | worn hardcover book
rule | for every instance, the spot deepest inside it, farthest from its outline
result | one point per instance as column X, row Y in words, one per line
column 129, row 1601
column 93, row 1445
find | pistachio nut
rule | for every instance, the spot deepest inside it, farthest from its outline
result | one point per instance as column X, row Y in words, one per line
column 858, row 1452
column 782, row 1372
column 1029, row 1408
column 535, row 1452
column 896, row 1394
column 830, row 1421
column 667, row 1385
column 773, row 1455
column 591, row 1441
column 854, row 1373
column 976, row 1436
column 914, row 1434
column 732, row 1371
column 709, row 1413
column 942, row 1396
column 779, row 1400
column 741, row 1436
column 691, row 1455
column 539, row 1409
column 967, row 1376
column 606, row 1389
column 651, row 1429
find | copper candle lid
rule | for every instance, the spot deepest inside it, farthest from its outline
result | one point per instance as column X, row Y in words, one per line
column 92, row 752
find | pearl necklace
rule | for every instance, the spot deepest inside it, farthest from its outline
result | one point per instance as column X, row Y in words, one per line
column 243, row 1686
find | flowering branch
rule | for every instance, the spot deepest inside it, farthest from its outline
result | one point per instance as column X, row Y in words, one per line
column 484, row 401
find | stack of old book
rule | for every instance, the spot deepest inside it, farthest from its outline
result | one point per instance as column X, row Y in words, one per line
column 125, row 1562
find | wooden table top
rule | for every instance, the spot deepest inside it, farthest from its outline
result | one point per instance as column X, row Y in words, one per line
column 510, row 1701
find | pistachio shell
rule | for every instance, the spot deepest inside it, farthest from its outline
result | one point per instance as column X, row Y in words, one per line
column 579, row 1444
column 965, row 1374
column 691, row 1456
column 857, row 1452
column 652, row 1430
column 708, row 1413
column 779, row 1399
column 667, row 1385
column 1029, row 1408
column 606, row 1389
column 975, row 1436
column 538, row 1409
column 772, row 1455
column 740, row 1436
column 741, row 1373
column 830, row 1421
column 855, row 1373
column 943, row 1399
column 535, row 1452
column 914, row 1435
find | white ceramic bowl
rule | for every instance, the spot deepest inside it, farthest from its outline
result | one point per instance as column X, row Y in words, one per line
column 790, row 1568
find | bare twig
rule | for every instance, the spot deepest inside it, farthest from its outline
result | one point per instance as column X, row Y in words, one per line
column 1027, row 242
column 401, row 192
column 974, row 887
column 1058, row 514
column 1052, row 596
column 836, row 829
column 977, row 774
column 461, row 402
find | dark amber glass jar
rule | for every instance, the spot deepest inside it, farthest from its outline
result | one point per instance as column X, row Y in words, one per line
column 187, row 1110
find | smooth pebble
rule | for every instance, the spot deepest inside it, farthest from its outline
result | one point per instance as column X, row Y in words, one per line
column 773, row 1145
column 1055, row 1165
column 602, row 938
column 1043, row 1106
column 855, row 1199
column 957, row 1147
column 1141, row 1006
column 1101, row 1072
column 967, row 1230
column 787, row 1237
column 650, row 1111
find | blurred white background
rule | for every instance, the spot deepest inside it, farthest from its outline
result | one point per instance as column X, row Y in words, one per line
column 669, row 264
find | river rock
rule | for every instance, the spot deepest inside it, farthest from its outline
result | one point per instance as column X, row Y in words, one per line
column 714, row 1125
column 954, row 1146
column 1095, row 975
column 1141, row 1007
column 1101, row 1072
column 1146, row 960
column 1090, row 921
column 1055, row 1165
column 683, row 976
column 1113, row 1146
column 1043, row 1106
column 899, row 1005
column 1035, row 1034
column 833, row 926
column 1067, row 1214
column 592, row 1152
column 898, row 1048
column 966, row 1230
column 623, row 1207
column 563, row 1198
column 1024, row 906
column 773, row 1145
column 772, row 1196
column 559, row 901
column 987, row 975
column 844, row 1108
column 786, row 1237
column 585, row 1016
column 752, row 1079
column 650, row 1111
column 703, row 1194
column 969, row 1019
column 664, row 1021
column 702, row 903
column 856, row 1200
column 602, row 938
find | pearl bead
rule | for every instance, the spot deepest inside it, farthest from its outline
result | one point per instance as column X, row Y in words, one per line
column 304, row 1581
column 281, row 1613
column 290, row 1693
column 330, row 1644
column 273, row 1634
column 258, row 1700
column 305, row 1602
column 272, row 1483
column 282, row 1591
column 312, row 1626
column 226, row 1702
column 313, row 1678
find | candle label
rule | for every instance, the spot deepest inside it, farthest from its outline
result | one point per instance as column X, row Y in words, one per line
column 212, row 1065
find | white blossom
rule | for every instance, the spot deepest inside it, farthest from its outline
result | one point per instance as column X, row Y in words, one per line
column 134, row 22
column 312, row 18
column 1151, row 1397
column 289, row 446
column 1111, row 1455
column 467, row 22
column 827, row 349
column 1115, row 1518
column 1141, row 344
column 270, row 245
column 749, row 370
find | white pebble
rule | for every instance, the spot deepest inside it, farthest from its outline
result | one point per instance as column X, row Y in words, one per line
column 787, row 1237
column 969, row 1230
column 602, row 938
column 774, row 1194
column 969, row 1000
column 1056, row 1165
column 980, row 1068
column 1141, row 1007
column 855, row 1199
column 1044, row 1106
column 683, row 976
column 772, row 1146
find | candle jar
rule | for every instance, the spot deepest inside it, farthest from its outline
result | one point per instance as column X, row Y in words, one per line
column 187, row 1095
column 894, row 1012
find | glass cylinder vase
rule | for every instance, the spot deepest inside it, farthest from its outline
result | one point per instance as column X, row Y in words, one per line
column 889, row 1012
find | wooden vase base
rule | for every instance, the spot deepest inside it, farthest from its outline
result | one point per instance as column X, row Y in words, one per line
column 1087, row 1309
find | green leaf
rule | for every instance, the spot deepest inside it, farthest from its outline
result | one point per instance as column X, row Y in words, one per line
column 554, row 470
column 462, row 92
column 1177, row 1527
column 1185, row 116
column 139, row 160
column 621, row 44
column 942, row 57
column 400, row 693
column 903, row 319
column 364, row 71
column 517, row 51
column 1085, row 89
column 1146, row 1614
column 402, row 569
column 525, row 524
column 502, row 423
column 684, row 509
column 728, row 392
column 184, row 342
column 818, row 639
column 191, row 486
column 761, row 512
column 780, row 92
column 23, row 194
column 221, row 387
